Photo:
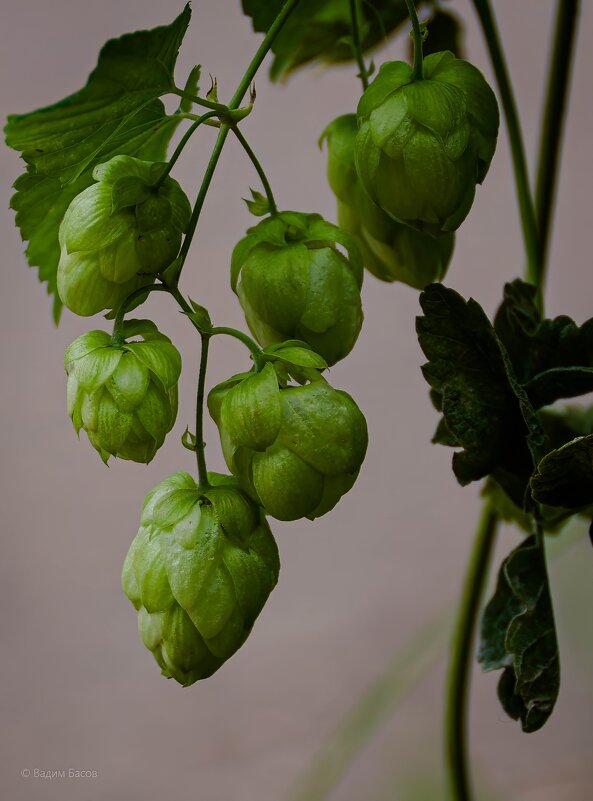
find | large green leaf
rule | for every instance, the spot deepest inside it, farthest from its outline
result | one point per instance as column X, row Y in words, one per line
column 117, row 112
column 552, row 358
column 486, row 412
column 321, row 30
column 518, row 634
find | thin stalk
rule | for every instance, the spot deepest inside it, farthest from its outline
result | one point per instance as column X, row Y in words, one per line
column 363, row 73
column 458, row 679
column 200, row 444
column 117, row 337
column 417, row 71
column 219, row 108
column 254, row 348
column 183, row 142
column 553, row 124
column 526, row 206
column 236, row 100
column 258, row 168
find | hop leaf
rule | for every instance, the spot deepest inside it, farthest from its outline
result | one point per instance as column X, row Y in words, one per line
column 117, row 112
column 322, row 31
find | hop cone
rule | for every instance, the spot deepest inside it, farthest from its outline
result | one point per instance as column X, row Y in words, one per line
column 391, row 250
column 199, row 572
column 118, row 233
column 294, row 283
column 422, row 145
column 296, row 449
column 125, row 398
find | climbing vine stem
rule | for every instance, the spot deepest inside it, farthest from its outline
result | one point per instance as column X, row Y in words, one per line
column 524, row 198
column 417, row 69
column 200, row 444
column 258, row 168
column 363, row 72
column 553, row 124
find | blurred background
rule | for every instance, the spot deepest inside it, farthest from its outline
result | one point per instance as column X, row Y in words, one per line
column 78, row 689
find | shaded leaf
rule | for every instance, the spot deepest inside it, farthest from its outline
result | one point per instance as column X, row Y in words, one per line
column 486, row 412
column 552, row 358
column 518, row 635
column 564, row 477
column 321, row 30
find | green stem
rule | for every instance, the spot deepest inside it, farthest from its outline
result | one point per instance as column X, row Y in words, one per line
column 219, row 108
column 363, row 73
column 417, row 71
column 458, row 679
column 553, row 124
column 236, row 100
column 254, row 348
column 200, row 444
column 183, row 142
column 526, row 206
column 258, row 168
column 117, row 337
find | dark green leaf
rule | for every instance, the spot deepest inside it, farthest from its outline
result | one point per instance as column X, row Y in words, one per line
column 117, row 112
column 559, row 382
column 552, row 358
column 518, row 634
column 132, row 72
column 486, row 412
column 321, row 30
column 564, row 477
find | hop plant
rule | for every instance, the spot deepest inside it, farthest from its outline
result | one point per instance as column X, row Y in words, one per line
column 118, row 233
column 294, row 283
column 296, row 449
column 124, row 397
column 199, row 572
column 423, row 144
column 391, row 250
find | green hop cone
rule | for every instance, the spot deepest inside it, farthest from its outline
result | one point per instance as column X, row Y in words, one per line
column 294, row 283
column 296, row 449
column 423, row 144
column 391, row 250
column 125, row 398
column 199, row 572
column 118, row 234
